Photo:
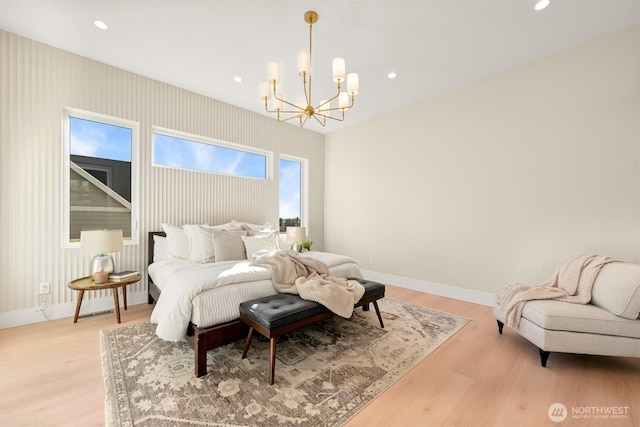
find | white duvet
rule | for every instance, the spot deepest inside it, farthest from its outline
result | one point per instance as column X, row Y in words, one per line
column 182, row 282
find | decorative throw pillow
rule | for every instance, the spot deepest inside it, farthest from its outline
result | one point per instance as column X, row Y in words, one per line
column 228, row 245
column 159, row 248
column 177, row 242
column 253, row 244
column 617, row 289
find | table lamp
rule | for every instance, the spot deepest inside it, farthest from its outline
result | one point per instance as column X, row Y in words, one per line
column 100, row 243
column 297, row 235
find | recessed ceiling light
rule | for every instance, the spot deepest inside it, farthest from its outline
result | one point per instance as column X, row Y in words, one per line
column 100, row 25
column 541, row 4
column 237, row 79
column 392, row 75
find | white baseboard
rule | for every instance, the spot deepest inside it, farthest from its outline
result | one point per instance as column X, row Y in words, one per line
column 468, row 295
column 89, row 306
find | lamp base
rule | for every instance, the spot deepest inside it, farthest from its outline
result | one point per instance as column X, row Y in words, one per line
column 101, row 262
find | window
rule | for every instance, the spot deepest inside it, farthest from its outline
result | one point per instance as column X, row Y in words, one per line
column 179, row 150
column 292, row 191
column 100, row 175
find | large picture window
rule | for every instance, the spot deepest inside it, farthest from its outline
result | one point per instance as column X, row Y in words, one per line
column 185, row 151
column 100, row 190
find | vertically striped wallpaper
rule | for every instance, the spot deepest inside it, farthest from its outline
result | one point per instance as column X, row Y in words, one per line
column 37, row 82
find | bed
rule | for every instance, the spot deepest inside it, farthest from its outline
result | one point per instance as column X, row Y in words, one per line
column 211, row 290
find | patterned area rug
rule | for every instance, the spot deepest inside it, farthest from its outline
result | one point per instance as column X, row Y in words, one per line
column 324, row 375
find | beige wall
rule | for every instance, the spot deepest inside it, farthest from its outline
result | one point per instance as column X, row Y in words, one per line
column 37, row 82
column 498, row 180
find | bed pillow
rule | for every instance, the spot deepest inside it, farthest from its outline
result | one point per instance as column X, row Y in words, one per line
column 177, row 242
column 256, row 227
column 159, row 248
column 200, row 243
column 259, row 242
column 200, row 238
column 228, row 245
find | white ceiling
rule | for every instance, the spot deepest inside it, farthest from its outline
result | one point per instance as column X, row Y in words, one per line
column 433, row 45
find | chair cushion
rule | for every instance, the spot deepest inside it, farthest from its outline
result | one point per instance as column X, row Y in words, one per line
column 586, row 318
column 275, row 311
column 617, row 289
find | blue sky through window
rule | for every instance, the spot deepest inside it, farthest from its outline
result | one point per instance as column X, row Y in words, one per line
column 100, row 140
column 186, row 154
column 290, row 186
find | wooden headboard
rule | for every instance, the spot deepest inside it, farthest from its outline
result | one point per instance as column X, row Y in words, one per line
column 154, row 292
column 151, row 244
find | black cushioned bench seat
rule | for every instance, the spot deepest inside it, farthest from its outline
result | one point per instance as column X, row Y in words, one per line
column 278, row 314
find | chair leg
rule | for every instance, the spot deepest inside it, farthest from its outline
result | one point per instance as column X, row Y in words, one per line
column 544, row 356
column 500, row 326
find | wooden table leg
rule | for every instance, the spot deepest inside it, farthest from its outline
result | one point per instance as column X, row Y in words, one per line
column 78, row 304
column 117, row 303
column 124, row 296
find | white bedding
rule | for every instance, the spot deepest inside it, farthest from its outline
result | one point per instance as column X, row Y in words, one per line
column 209, row 294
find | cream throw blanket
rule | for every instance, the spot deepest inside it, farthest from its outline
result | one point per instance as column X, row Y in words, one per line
column 309, row 278
column 572, row 282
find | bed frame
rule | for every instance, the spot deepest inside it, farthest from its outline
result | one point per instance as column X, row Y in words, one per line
column 201, row 339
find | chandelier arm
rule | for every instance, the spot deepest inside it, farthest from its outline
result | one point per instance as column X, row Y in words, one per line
column 288, row 103
column 289, row 118
column 284, row 111
column 343, row 108
column 337, row 119
column 323, row 123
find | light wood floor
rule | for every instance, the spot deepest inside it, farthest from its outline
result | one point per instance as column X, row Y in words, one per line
column 50, row 375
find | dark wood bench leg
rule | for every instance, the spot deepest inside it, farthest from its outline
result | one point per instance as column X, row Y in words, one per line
column 272, row 357
column 375, row 305
column 247, row 343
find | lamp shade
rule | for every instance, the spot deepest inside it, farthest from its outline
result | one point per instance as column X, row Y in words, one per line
column 101, row 241
column 296, row 234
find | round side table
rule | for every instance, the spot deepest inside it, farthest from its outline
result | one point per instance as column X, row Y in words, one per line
column 87, row 284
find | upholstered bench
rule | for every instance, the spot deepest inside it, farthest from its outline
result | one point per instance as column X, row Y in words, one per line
column 278, row 314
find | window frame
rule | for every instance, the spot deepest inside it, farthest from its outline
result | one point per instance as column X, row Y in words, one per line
column 68, row 113
column 172, row 133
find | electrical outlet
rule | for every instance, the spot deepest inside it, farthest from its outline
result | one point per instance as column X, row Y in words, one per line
column 371, row 260
column 45, row 288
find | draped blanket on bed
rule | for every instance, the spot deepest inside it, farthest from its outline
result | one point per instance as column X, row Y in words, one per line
column 172, row 312
column 309, row 278
column 572, row 282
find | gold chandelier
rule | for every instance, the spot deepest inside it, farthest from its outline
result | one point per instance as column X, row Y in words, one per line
column 304, row 110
